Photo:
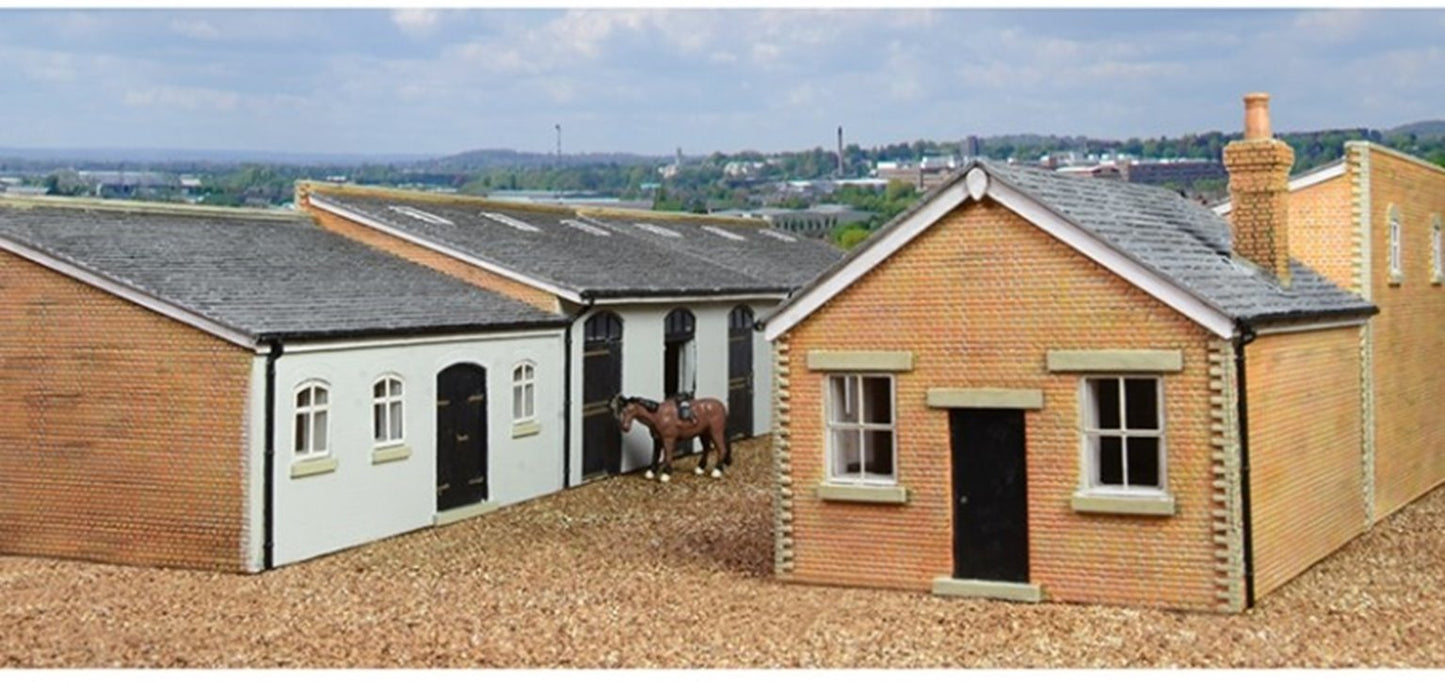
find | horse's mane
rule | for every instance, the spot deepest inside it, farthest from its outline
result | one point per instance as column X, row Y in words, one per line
column 650, row 405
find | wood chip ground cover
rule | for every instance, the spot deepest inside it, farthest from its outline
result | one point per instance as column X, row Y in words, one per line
column 630, row 573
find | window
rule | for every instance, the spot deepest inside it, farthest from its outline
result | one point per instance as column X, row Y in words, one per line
column 1124, row 434
column 386, row 411
column 860, row 428
column 1397, row 273
column 524, row 392
column 312, row 408
column 1437, row 257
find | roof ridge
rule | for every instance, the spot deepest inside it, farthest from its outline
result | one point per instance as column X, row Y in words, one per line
column 148, row 207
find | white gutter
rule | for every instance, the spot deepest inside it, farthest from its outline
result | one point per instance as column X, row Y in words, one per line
column 300, row 347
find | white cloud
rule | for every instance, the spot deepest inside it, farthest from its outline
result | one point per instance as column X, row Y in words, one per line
column 198, row 29
column 416, row 23
column 190, row 99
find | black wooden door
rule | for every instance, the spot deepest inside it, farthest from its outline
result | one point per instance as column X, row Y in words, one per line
column 601, row 380
column 740, row 372
column 461, row 436
column 678, row 331
column 990, row 510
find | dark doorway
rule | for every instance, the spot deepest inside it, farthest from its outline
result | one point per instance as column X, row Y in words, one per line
column 740, row 373
column 601, row 380
column 461, row 436
column 679, row 372
column 990, row 496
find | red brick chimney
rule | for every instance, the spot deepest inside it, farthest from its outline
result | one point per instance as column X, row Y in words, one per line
column 1258, row 169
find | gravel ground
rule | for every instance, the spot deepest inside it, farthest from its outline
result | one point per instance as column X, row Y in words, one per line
column 630, row 573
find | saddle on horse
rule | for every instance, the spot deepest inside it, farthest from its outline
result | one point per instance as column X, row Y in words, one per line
column 683, row 401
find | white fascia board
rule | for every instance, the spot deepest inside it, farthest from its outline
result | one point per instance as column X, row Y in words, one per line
column 821, row 292
column 1310, row 179
column 140, row 298
column 700, row 298
column 1110, row 258
column 1296, row 327
column 379, row 226
column 419, row 340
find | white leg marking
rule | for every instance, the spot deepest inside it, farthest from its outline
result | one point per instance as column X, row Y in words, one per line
column 717, row 473
column 648, row 474
column 666, row 478
column 697, row 471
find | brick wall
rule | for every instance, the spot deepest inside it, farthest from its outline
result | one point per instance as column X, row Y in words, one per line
column 1306, row 487
column 122, row 432
column 1320, row 230
column 436, row 261
column 980, row 298
column 1408, row 336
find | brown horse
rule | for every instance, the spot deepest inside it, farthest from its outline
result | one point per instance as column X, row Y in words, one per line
column 710, row 423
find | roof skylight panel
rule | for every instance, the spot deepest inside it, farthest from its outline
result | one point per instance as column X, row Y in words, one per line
column 723, row 233
column 589, row 229
column 511, row 222
column 658, row 230
column 778, row 235
column 421, row 215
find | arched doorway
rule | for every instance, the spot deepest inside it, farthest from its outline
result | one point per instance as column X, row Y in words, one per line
column 601, row 380
column 461, row 436
column 740, row 373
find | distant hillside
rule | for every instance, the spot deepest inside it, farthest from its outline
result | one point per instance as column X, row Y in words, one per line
column 487, row 159
column 1421, row 129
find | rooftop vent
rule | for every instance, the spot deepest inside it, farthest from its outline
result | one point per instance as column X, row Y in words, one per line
column 723, row 233
column 510, row 221
column 421, row 215
column 657, row 230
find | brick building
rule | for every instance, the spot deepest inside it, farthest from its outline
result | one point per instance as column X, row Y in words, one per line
column 1092, row 391
column 236, row 390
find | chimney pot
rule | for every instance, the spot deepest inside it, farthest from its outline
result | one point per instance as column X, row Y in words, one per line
column 1256, row 116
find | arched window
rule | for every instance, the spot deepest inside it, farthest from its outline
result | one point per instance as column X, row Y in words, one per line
column 1437, row 258
column 313, row 406
column 1397, row 270
column 679, row 353
column 386, row 411
column 524, row 392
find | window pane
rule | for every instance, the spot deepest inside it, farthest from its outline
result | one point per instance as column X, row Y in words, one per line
column 516, row 402
column 1141, row 399
column 1144, row 461
column 517, row 374
column 528, row 372
column 378, row 422
column 878, row 452
column 845, row 452
column 394, row 388
column 320, row 395
column 1106, row 402
column 843, row 395
column 1110, row 460
column 528, row 407
column 396, row 420
column 303, row 399
column 319, row 426
column 877, row 400
column 303, row 436
column 378, row 390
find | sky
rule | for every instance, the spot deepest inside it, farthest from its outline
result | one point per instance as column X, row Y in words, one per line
column 648, row 81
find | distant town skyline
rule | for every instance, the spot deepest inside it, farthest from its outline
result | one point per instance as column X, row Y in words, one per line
column 648, row 81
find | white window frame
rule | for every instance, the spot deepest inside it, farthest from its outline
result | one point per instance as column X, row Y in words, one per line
column 393, row 432
column 524, row 392
column 1088, row 416
column 307, row 415
column 862, row 477
column 1396, row 249
column 1437, row 256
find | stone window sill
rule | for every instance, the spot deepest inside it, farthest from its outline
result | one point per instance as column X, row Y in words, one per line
column 869, row 494
column 1085, row 502
column 391, row 453
column 524, row 429
column 313, row 467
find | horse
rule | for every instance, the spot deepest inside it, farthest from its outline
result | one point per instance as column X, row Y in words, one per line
column 709, row 424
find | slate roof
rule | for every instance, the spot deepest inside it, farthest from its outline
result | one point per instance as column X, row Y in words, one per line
column 269, row 277
column 616, row 257
column 1180, row 240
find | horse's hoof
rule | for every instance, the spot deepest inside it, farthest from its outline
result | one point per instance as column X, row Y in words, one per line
column 698, row 471
column 665, row 478
column 648, row 474
column 717, row 473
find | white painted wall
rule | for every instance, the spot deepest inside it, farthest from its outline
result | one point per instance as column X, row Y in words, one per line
column 643, row 363
column 360, row 501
